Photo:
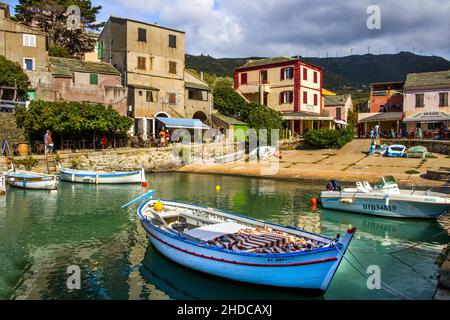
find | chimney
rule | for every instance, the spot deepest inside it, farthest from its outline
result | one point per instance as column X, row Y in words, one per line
column 4, row 10
column 201, row 75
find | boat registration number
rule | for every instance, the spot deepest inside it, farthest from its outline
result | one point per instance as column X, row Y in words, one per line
column 375, row 207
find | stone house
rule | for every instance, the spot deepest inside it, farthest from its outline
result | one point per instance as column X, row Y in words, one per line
column 338, row 108
column 152, row 62
column 96, row 82
column 198, row 102
column 28, row 47
column 290, row 86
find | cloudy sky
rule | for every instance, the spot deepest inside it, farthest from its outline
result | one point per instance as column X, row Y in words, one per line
column 242, row 28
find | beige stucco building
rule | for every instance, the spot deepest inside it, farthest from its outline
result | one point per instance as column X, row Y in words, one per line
column 28, row 47
column 151, row 59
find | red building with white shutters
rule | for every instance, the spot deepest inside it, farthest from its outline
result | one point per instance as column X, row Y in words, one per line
column 290, row 86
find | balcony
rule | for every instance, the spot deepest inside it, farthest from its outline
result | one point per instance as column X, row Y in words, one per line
column 254, row 88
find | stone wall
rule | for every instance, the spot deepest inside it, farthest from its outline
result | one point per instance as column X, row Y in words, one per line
column 9, row 130
column 436, row 146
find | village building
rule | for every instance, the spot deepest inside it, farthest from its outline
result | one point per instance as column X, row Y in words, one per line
column 151, row 59
column 426, row 103
column 94, row 55
column 385, row 110
column 28, row 47
column 290, row 86
column 95, row 82
column 338, row 107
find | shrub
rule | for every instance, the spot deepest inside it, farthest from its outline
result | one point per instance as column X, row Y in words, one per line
column 329, row 138
column 58, row 51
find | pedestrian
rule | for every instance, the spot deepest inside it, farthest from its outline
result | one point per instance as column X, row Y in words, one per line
column 419, row 133
column 371, row 133
column 167, row 136
column 46, row 141
column 103, row 142
column 377, row 131
column 162, row 136
column 50, row 143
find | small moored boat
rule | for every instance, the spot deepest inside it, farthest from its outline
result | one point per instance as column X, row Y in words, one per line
column 396, row 150
column 240, row 248
column 230, row 157
column 385, row 199
column 31, row 180
column 102, row 177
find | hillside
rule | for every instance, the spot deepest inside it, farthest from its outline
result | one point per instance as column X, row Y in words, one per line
column 356, row 71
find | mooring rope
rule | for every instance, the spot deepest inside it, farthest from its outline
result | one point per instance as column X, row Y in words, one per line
column 386, row 287
column 419, row 243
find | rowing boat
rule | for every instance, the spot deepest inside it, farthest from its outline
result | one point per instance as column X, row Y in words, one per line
column 239, row 248
column 102, row 177
column 31, row 180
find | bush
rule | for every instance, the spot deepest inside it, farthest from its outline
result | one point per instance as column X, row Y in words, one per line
column 329, row 138
column 58, row 51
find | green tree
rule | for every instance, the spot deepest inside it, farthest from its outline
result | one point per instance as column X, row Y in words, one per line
column 12, row 75
column 51, row 17
column 228, row 101
column 261, row 117
column 58, row 51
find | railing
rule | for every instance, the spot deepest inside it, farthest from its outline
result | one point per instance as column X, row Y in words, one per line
column 9, row 105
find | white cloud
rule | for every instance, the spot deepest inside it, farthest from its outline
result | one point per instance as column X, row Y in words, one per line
column 236, row 28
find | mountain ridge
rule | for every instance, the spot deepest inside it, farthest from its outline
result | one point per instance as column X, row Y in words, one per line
column 350, row 71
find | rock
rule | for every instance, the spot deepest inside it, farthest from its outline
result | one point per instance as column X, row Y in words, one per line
column 444, row 279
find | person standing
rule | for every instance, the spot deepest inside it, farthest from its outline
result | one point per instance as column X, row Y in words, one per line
column 162, row 136
column 103, row 142
column 46, row 141
column 419, row 133
column 371, row 133
column 167, row 136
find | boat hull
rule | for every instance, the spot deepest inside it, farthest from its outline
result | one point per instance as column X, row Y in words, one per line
column 308, row 270
column 29, row 180
column 88, row 177
column 379, row 206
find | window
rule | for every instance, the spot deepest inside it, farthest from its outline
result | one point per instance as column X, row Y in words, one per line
column 151, row 96
column 286, row 97
column 443, row 99
column 194, row 94
column 172, row 67
column 338, row 114
column 305, row 74
column 419, row 101
column 93, row 78
column 142, row 35
column 172, row 98
column 141, row 63
column 172, row 41
column 28, row 64
column 315, row 77
column 243, row 78
column 263, row 75
column 287, row 73
column 305, row 97
column 29, row 40
column 315, row 99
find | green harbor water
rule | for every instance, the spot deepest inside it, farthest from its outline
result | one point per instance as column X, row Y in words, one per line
column 43, row 233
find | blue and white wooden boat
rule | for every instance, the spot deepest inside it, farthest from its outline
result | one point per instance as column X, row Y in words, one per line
column 386, row 199
column 395, row 150
column 200, row 238
column 102, row 177
column 263, row 152
column 31, row 180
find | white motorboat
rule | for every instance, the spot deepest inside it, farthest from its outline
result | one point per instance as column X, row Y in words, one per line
column 262, row 152
column 102, row 177
column 385, row 199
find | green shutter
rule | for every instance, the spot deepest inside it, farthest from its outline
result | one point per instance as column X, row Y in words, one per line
column 94, row 78
column 100, row 50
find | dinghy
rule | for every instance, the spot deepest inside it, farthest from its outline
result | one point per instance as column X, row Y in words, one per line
column 385, row 199
column 102, row 177
column 396, row 150
column 262, row 152
column 230, row 157
column 240, row 248
column 31, row 180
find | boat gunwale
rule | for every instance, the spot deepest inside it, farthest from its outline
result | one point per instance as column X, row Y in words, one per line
column 239, row 253
column 381, row 196
column 101, row 175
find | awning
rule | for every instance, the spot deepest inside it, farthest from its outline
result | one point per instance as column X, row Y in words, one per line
column 305, row 116
column 380, row 117
column 180, row 123
column 436, row 116
column 342, row 122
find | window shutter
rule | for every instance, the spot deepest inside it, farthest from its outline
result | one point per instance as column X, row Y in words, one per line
column 282, row 73
column 281, row 97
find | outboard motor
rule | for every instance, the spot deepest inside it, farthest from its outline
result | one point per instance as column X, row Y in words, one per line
column 333, row 185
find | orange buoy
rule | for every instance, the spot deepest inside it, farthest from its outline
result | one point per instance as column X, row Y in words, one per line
column 144, row 183
column 314, row 201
